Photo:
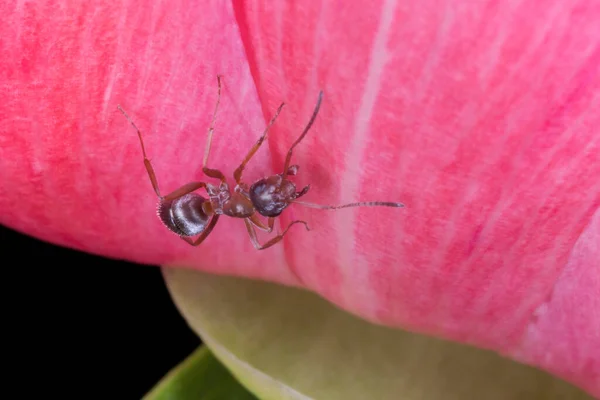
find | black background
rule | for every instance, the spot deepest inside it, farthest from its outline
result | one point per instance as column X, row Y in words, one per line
column 82, row 326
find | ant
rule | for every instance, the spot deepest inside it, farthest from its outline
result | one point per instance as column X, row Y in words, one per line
column 189, row 214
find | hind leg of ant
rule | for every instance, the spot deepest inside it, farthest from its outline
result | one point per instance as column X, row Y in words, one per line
column 212, row 173
column 275, row 240
column 204, row 234
column 151, row 175
column 147, row 162
column 237, row 174
column 185, row 189
column 260, row 225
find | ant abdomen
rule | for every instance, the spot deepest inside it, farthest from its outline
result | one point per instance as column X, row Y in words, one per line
column 185, row 215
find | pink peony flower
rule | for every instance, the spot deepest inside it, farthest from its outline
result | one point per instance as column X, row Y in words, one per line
column 482, row 117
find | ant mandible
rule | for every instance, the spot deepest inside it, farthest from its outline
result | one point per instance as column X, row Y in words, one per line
column 189, row 214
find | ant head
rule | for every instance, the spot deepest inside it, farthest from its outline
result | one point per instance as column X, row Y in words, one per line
column 270, row 196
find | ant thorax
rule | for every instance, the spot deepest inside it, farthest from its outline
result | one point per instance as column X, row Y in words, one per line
column 223, row 201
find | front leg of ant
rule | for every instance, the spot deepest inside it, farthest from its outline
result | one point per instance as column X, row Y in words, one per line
column 275, row 240
column 185, row 189
column 260, row 225
column 237, row 174
column 203, row 235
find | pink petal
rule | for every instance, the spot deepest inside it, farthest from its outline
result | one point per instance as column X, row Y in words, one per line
column 70, row 163
column 483, row 118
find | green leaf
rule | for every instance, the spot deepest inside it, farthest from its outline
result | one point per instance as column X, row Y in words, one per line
column 199, row 377
column 285, row 343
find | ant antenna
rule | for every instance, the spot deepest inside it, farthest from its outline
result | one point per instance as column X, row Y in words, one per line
column 288, row 158
column 359, row 204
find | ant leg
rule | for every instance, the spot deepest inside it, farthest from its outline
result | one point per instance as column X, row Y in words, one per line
column 212, row 173
column 260, row 225
column 274, row 240
column 288, row 158
column 147, row 162
column 204, row 234
column 237, row 174
column 185, row 189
